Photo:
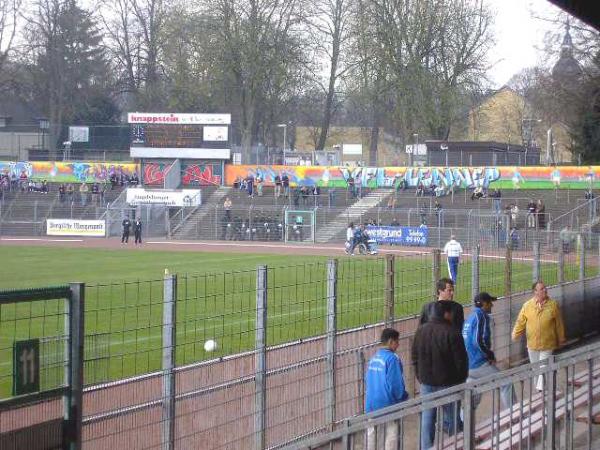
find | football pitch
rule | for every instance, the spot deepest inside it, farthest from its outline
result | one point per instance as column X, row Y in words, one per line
column 216, row 298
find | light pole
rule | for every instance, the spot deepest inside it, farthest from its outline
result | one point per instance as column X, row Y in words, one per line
column 284, row 126
column 411, row 154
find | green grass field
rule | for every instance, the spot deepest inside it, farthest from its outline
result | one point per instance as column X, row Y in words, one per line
column 216, row 300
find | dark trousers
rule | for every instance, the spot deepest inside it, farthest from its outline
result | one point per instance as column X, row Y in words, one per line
column 138, row 237
column 125, row 237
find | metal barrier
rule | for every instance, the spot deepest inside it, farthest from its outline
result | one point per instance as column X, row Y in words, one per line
column 560, row 416
column 41, row 376
column 291, row 342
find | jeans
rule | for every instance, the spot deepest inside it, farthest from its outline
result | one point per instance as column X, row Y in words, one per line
column 507, row 395
column 535, row 356
column 384, row 434
column 452, row 422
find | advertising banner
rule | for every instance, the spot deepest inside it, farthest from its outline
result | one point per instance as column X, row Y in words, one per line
column 413, row 236
column 180, row 197
column 74, row 227
column 215, row 134
column 179, row 119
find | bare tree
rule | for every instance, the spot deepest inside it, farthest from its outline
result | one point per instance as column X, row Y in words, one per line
column 8, row 30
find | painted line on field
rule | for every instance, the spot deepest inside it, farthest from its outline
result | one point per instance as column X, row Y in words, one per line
column 41, row 240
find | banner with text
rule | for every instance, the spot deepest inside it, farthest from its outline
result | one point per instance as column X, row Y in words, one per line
column 415, row 236
column 73, row 227
column 181, row 197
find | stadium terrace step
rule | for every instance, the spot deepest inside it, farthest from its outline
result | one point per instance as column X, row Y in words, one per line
column 187, row 229
column 355, row 212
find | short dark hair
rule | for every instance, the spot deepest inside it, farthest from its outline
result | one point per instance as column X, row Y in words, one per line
column 389, row 333
column 441, row 284
column 535, row 283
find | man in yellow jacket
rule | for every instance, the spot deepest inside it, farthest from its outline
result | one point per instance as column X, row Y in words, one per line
column 541, row 320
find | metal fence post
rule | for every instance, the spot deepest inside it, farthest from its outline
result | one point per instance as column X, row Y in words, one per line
column 475, row 271
column 389, row 289
column 436, row 273
column 168, row 362
column 581, row 242
column 561, row 264
column 536, row 273
column 468, row 420
column 74, row 409
column 260, row 379
column 331, row 342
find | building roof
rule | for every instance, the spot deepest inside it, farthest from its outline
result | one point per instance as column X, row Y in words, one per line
column 567, row 68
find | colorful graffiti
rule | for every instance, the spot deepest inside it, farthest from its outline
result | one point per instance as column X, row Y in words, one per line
column 67, row 172
column 532, row 177
column 193, row 174
column 153, row 174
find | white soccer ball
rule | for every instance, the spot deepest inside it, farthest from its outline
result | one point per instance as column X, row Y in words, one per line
column 210, row 345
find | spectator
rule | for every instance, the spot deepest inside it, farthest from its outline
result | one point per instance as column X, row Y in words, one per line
column 514, row 237
column 541, row 320
column 385, row 386
column 70, row 192
column 62, row 193
column 358, row 184
column 541, row 215
column 137, row 231
column 453, row 250
column 420, row 189
column 316, row 194
column 126, row 224
column 259, row 185
column 250, row 185
column 531, row 211
column 440, row 360
column 14, row 182
column 394, row 222
column 477, row 335
column 439, row 214
column 445, row 293
column 351, row 189
column 277, row 185
column 496, row 200
column 423, row 215
column 477, row 193
column 566, row 238
column 44, row 189
column 227, row 207
column 285, row 182
column 83, row 193
column 296, row 198
column 304, row 192
column 95, row 193
column 514, row 214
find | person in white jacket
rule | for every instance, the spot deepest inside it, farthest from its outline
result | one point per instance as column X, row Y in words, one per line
column 453, row 250
column 350, row 238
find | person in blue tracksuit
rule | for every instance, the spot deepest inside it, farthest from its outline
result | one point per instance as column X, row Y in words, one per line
column 478, row 342
column 453, row 250
column 385, row 386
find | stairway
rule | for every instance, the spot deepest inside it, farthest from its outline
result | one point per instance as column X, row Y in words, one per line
column 357, row 212
column 187, row 229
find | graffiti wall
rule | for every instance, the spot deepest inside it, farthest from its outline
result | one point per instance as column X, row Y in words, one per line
column 201, row 174
column 67, row 172
column 192, row 173
column 533, row 177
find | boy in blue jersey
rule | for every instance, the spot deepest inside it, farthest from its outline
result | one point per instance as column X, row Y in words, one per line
column 477, row 336
column 385, row 385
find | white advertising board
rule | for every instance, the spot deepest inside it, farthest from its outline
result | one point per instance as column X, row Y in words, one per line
column 190, row 153
column 215, row 134
column 79, row 134
column 179, row 119
column 74, row 227
column 352, row 149
column 421, row 149
column 167, row 197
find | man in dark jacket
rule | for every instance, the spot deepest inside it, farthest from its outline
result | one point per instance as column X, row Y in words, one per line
column 137, row 230
column 445, row 292
column 440, row 361
column 126, row 226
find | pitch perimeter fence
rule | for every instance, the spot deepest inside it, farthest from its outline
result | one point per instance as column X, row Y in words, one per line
column 291, row 342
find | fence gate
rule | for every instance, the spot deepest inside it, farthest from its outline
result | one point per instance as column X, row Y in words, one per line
column 41, row 368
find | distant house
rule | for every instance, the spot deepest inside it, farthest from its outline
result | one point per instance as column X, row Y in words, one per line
column 22, row 129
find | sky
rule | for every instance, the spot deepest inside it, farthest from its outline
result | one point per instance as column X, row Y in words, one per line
column 519, row 36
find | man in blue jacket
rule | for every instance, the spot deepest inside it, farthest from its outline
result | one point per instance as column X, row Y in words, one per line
column 385, row 384
column 477, row 336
